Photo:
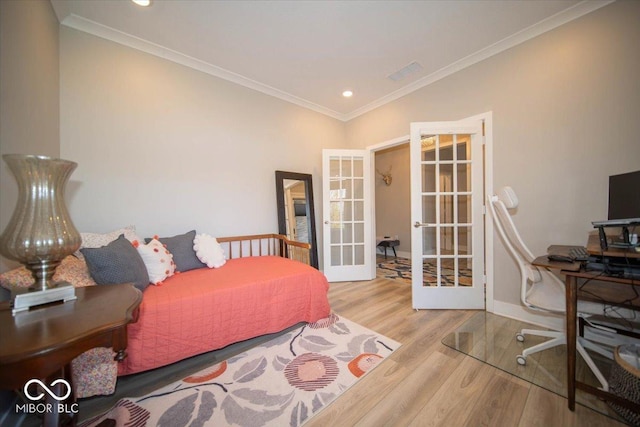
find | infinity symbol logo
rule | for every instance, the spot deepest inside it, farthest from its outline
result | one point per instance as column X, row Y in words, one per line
column 47, row 389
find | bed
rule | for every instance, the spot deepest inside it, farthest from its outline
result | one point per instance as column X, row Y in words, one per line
column 264, row 287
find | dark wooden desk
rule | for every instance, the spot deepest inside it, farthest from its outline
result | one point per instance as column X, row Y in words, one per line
column 41, row 343
column 573, row 272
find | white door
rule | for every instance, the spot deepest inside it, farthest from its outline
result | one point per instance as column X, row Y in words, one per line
column 346, row 208
column 447, row 248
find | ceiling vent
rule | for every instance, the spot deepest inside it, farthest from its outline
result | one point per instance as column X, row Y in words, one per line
column 414, row 67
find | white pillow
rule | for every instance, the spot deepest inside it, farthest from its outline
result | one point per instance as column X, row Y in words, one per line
column 209, row 251
column 96, row 240
column 157, row 259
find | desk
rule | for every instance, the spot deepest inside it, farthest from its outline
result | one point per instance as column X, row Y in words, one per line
column 41, row 343
column 573, row 272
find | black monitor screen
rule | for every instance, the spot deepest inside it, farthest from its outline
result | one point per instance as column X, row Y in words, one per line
column 624, row 196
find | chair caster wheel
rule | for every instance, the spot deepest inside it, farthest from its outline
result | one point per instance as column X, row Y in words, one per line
column 521, row 360
column 520, row 337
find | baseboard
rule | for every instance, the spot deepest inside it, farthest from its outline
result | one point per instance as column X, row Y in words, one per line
column 518, row 312
column 401, row 254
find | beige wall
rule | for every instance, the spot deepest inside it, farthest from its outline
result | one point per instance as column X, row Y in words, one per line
column 566, row 109
column 29, row 84
column 170, row 149
column 393, row 202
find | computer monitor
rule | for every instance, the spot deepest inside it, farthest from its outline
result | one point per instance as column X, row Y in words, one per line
column 624, row 196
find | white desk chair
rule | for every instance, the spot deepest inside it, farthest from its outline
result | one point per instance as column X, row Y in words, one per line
column 540, row 289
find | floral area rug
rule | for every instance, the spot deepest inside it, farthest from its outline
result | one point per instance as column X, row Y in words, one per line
column 282, row 382
column 400, row 269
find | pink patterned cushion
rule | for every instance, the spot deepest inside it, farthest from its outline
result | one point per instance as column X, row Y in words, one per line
column 71, row 270
column 98, row 240
column 17, row 278
column 94, row 373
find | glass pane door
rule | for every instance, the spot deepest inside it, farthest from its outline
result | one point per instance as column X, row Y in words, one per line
column 446, row 193
column 346, row 218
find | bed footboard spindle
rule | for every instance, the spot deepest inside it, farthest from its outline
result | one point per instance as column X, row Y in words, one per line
column 268, row 244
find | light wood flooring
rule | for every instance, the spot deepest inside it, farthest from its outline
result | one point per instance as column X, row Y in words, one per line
column 424, row 383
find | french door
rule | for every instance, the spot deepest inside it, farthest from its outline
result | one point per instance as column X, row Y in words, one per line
column 347, row 246
column 447, row 245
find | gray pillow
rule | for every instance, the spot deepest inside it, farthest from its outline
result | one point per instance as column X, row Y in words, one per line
column 181, row 247
column 117, row 262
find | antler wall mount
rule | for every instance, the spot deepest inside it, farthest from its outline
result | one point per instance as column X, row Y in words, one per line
column 386, row 176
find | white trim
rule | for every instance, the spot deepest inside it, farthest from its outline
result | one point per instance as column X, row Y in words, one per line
column 372, row 189
column 88, row 26
column 388, row 144
column 488, row 189
column 548, row 320
column 487, row 118
column 401, row 254
column 117, row 36
column 522, row 36
column 519, row 312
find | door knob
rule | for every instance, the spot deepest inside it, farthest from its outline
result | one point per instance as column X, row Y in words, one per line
column 419, row 224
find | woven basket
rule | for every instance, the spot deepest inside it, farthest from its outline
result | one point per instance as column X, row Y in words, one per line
column 624, row 382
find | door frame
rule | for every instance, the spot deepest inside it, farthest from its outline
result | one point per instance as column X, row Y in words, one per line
column 487, row 118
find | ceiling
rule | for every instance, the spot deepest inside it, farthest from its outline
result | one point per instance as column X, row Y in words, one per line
column 309, row 52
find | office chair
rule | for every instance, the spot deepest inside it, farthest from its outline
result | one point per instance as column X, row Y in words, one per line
column 540, row 289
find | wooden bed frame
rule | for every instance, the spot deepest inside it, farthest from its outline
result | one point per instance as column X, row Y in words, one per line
column 265, row 245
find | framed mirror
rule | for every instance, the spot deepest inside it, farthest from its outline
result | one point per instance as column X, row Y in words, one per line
column 296, row 218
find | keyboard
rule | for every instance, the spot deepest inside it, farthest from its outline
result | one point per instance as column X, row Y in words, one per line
column 564, row 253
column 579, row 253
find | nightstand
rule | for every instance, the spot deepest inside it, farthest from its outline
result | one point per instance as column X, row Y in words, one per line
column 38, row 345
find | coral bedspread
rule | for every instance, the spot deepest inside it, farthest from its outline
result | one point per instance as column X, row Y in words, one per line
column 207, row 309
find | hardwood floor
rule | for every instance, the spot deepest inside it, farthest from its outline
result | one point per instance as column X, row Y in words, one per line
column 425, row 383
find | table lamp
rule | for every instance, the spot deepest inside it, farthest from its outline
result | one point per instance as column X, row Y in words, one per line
column 40, row 233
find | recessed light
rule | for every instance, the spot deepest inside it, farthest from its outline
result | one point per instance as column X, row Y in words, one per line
column 347, row 94
column 142, row 2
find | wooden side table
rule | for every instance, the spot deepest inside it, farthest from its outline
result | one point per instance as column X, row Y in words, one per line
column 41, row 343
column 389, row 243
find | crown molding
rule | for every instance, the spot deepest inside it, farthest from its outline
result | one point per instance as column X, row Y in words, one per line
column 91, row 27
column 522, row 36
column 108, row 33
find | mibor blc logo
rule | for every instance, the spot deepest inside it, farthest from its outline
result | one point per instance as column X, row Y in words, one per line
column 41, row 408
